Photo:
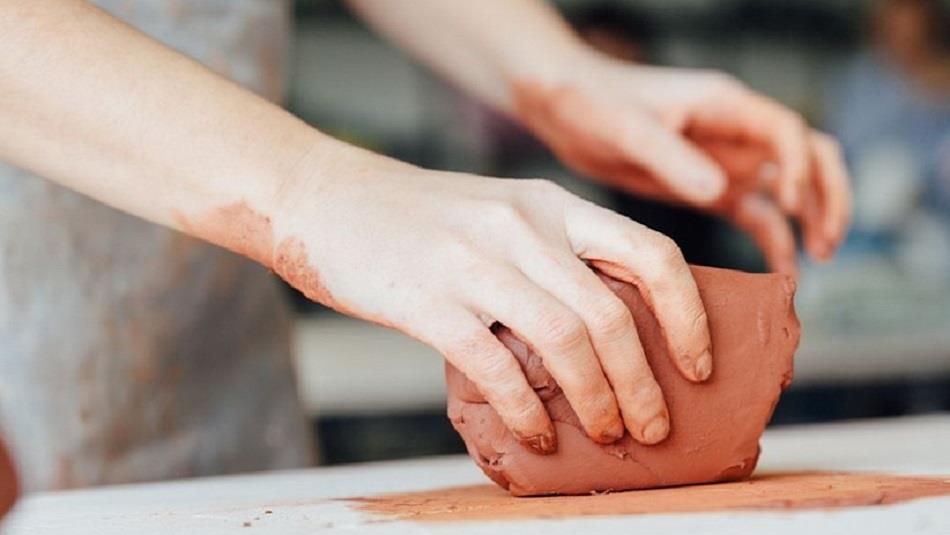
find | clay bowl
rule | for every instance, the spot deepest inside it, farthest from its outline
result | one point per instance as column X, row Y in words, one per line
column 715, row 426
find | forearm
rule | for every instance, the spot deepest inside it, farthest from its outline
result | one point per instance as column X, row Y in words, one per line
column 100, row 108
column 482, row 46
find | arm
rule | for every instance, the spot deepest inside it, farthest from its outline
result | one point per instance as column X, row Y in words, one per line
column 94, row 105
column 485, row 46
column 98, row 107
column 691, row 137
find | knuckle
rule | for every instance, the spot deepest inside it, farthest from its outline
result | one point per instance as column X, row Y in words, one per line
column 587, row 393
column 563, row 330
column 722, row 82
column 522, row 406
column 474, row 268
column 829, row 144
column 462, row 347
column 610, row 315
column 508, row 218
column 556, row 260
column 666, row 253
column 794, row 124
column 666, row 263
column 545, row 186
column 510, row 214
column 494, row 371
column 499, row 379
column 460, row 252
column 501, row 213
column 469, row 262
column 643, row 390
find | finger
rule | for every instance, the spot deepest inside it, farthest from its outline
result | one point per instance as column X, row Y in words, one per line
column 470, row 346
column 745, row 115
column 614, row 337
column 832, row 197
column 743, row 163
column 559, row 336
column 674, row 161
column 769, row 228
column 633, row 253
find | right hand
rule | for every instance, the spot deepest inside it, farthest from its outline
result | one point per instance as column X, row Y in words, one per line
column 442, row 256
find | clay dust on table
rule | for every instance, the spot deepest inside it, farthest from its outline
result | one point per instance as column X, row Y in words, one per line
column 776, row 491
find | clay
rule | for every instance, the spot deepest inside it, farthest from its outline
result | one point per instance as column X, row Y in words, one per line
column 245, row 231
column 9, row 486
column 292, row 263
column 715, row 426
column 787, row 491
column 236, row 227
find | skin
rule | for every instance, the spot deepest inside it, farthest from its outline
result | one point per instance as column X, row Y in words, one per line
column 691, row 137
column 97, row 107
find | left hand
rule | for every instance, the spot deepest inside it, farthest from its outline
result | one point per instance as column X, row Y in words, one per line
column 699, row 138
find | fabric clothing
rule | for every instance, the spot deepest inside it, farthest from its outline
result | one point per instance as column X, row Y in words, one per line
column 131, row 352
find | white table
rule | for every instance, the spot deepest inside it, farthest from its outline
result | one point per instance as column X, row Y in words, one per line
column 301, row 501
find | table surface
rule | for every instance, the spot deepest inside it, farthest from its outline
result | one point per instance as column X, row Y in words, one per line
column 306, row 501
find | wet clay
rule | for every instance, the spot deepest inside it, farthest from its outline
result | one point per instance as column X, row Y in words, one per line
column 715, row 426
column 9, row 488
column 784, row 491
column 245, row 231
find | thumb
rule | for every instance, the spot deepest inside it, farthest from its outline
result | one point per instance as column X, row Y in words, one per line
column 675, row 162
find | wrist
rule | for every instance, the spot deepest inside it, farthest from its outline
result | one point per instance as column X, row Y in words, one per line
column 573, row 67
column 550, row 60
column 324, row 174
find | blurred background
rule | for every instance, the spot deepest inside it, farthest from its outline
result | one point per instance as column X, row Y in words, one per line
column 876, row 322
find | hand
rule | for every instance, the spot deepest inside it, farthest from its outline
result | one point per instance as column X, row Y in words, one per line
column 443, row 256
column 698, row 138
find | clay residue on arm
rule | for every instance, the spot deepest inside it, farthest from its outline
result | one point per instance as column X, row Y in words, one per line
column 236, row 227
column 292, row 263
column 241, row 229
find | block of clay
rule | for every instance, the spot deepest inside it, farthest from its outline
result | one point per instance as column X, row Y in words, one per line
column 715, row 426
column 8, row 482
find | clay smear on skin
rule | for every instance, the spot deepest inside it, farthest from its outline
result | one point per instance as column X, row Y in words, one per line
column 241, row 229
column 779, row 491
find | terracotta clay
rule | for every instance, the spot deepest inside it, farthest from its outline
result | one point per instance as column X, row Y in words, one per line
column 246, row 231
column 9, row 488
column 804, row 490
column 715, row 426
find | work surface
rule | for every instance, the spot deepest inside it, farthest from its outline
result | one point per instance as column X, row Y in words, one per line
column 309, row 501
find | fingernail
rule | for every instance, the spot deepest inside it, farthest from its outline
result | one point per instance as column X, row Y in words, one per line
column 656, row 430
column 612, row 435
column 704, row 366
column 544, row 444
